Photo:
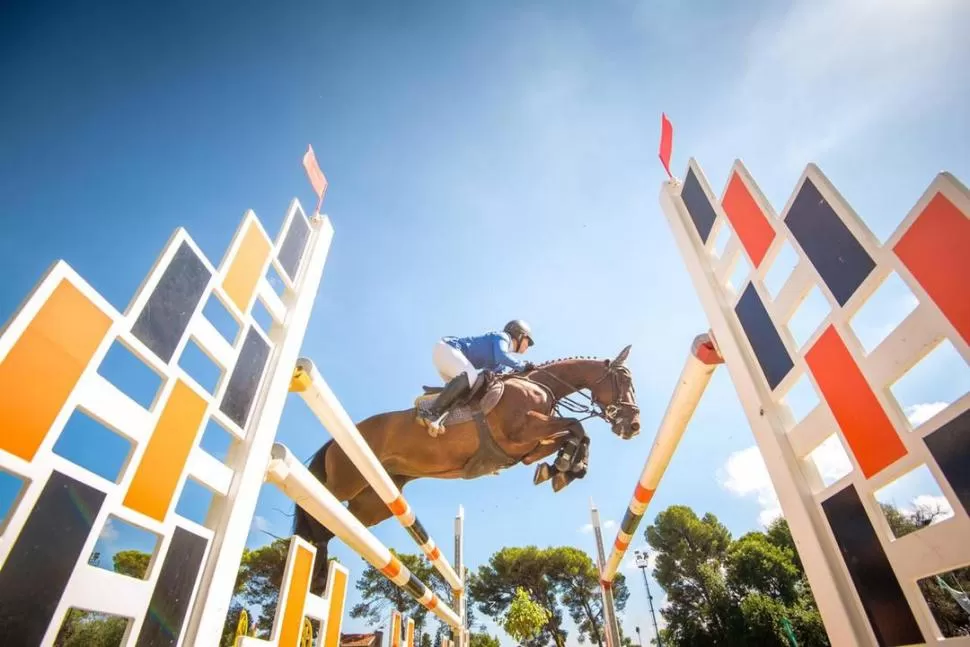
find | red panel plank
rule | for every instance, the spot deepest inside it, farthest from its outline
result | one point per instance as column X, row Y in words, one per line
column 871, row 436
column 936, row 250
column 748, row 220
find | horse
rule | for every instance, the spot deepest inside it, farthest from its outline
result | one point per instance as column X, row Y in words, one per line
column 524, row 426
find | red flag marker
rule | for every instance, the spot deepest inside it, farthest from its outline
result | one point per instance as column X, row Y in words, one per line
column 317, row 179
column 666, row 143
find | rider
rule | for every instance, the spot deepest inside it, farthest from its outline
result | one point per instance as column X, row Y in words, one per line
column 459, row 361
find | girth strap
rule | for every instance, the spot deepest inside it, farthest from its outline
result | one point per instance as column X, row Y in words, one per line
column 488, row 454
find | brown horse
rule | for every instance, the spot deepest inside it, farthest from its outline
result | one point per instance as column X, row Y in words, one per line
column 524, row 427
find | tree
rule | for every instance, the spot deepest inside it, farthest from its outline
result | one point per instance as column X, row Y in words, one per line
column 133, row 563
column 731, row 592
column 484, row 640
column 557, row 579
column 89, row 629
column 577, row 579
column 259, row 579
column 380, row 595
column 950, row 617
column 524, row 618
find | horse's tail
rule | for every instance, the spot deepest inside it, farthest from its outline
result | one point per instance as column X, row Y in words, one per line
column 312, row 530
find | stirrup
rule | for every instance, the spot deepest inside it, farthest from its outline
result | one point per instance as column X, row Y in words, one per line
column 437, row 427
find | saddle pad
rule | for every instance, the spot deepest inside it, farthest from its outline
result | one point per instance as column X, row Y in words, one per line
column 464, row 413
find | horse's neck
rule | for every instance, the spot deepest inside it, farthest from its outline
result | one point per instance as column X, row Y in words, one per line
column 569, row 376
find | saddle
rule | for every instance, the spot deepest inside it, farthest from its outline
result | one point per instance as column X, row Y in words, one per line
column 485, row 396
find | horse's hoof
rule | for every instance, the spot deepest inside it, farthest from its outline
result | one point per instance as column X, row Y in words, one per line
column 559, row 481
column 543, row 473
column 435, row 430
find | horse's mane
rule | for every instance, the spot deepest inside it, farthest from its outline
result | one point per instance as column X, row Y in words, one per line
column 569, row 359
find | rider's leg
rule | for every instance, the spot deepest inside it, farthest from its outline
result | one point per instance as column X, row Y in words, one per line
column 451, row 362
column 460, row 376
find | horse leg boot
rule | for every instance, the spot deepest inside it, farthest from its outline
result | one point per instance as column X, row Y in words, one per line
column 572, row 461
column 454, row 391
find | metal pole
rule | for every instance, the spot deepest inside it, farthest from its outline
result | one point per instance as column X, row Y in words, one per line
column 612, row 629
column 643, row 562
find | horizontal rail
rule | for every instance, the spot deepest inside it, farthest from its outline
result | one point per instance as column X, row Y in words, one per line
column 296, row 481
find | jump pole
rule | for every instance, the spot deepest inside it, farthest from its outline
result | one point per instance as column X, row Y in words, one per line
column 612, row 628
column 317, row 394
column 703, row 358
column 296, row 481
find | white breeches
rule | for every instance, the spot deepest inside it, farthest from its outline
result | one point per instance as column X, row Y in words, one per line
column 450, row 363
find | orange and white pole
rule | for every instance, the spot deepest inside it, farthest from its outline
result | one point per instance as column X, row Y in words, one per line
column 703, row 359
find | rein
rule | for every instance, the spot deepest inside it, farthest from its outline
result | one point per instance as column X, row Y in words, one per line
column 592, row 410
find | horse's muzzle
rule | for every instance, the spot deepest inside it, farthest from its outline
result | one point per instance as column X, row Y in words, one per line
column 627, row 427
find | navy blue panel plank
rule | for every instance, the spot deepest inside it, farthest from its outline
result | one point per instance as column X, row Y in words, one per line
column 163, row 321
column 173, row 592
column 882, row 598
column 43, row 558
column 291, row 252
column 838, row 256
column 764, row 338
column 245, row 379
column 698, row 206
column 950, row 446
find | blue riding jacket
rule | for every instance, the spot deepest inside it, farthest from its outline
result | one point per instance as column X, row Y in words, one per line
column 489, row 351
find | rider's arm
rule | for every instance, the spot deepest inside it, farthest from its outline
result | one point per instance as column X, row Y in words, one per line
column 502, row 356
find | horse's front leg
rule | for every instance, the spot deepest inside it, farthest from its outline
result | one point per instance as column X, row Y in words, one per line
column 568, row 437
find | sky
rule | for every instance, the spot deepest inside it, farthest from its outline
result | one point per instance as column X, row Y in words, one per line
column 487, row 161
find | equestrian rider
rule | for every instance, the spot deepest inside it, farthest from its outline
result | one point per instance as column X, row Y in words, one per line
column 460, row 360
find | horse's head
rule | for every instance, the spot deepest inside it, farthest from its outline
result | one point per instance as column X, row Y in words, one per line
column 615, row 394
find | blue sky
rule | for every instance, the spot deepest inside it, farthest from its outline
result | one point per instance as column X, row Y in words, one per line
column 486, row 161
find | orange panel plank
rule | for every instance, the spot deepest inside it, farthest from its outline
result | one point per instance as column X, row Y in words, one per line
column 871, row 436
column 936, row 249
column 338, row 591
column 296, row 598
column 246, row 267
column 44, row 365
column 749, row 221
column 153, row 487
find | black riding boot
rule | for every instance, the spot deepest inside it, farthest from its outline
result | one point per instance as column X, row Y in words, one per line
column 454, row 391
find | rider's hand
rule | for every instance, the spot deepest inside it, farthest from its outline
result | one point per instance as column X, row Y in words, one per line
column 529, row 366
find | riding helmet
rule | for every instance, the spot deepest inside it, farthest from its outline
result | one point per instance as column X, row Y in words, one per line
column 518, row 328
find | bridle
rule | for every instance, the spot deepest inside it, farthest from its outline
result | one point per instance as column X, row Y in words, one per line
column 609, row 412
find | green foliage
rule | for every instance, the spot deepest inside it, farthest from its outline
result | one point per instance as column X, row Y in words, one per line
column 89, row 629
column 484, row 640
column 236, row 625
column 380, row 595
column 950, row 617
column 259, row 579
column 560, row 580
column 133, row 563
column 524, row 618
column 731, row 592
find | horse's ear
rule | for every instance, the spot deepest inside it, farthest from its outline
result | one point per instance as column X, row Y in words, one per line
column 622, row 356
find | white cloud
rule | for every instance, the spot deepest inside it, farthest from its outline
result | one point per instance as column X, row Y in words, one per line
column 826, row 71
column 917, row 414
column 109, row 533
column 745, row 474
column 587, row 528
column 930, row 502
column 831, row 460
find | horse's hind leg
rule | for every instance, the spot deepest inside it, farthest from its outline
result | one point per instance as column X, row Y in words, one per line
column 369, row 508
column 332, row 468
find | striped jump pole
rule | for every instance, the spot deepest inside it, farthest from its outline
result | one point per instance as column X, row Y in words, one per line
column 317, row 394
column 701, row 362
column 296, row 481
